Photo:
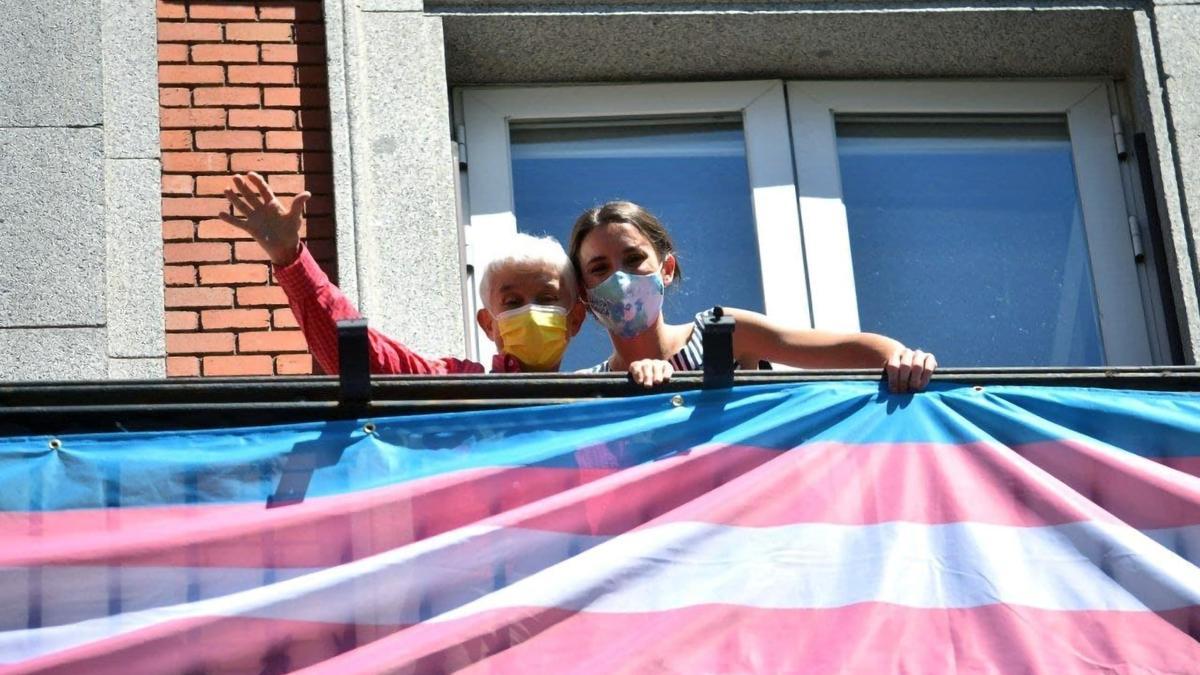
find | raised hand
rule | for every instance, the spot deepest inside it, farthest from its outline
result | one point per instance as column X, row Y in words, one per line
column 276, row 229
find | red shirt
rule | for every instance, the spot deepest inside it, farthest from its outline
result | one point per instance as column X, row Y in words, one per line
column 319, row 305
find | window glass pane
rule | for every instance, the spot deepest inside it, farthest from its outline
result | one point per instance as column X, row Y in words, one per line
column 967, row 239
column 691, row 174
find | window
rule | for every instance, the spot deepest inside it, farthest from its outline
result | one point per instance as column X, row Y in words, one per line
column 983, row 221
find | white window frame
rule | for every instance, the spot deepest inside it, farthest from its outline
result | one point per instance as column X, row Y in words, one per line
column 812, row 107
column 488, row 112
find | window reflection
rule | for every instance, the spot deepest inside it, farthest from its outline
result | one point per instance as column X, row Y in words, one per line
column 967, row 238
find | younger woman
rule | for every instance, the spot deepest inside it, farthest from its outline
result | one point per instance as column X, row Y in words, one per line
column 625, row 260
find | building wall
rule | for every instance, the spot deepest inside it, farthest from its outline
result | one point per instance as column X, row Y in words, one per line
column 242, row 87
column 80, row 279
column 116, row 266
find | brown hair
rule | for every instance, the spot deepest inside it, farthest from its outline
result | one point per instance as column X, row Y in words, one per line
column 621, row 212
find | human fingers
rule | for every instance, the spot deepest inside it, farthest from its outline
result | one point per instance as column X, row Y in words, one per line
column 930, row 366
column 234, row 220
column 663, row 372
column 635, row 372
column 905, row 370
column 238, row 203
column 892, row 369
column 247, row 192
column 298, row 203
column 260, row 184
column 918, row 370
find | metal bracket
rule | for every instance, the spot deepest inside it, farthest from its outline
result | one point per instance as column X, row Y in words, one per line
column 718, row 349
column 354, row 364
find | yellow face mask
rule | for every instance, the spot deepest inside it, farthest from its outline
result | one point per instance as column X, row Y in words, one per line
column 535, row 334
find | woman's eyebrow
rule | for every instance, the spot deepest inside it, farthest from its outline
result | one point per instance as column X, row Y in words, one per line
column 595, row 259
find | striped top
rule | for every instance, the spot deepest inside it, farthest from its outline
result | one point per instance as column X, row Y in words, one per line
column 689, row 357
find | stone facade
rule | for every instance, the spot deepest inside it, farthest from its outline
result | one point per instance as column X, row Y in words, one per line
column 81, row 233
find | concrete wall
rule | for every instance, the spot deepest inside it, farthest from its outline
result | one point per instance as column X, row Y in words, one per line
column 393, row 171
column 1168, row 70
column 81, row 250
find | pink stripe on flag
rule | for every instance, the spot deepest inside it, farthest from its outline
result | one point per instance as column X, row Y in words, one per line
column 1137, row 490
column 864, row 638
column 318, row 532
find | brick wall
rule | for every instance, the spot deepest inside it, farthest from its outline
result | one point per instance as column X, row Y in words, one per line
column 242, row 87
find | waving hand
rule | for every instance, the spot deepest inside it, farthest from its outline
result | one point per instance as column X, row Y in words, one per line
column 276, row 229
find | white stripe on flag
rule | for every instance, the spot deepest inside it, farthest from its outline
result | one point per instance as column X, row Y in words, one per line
column 1078, row 566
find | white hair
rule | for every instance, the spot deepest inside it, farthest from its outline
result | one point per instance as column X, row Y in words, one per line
column 521, row 248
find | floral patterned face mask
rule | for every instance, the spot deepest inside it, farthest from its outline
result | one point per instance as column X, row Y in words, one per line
column 627, row 304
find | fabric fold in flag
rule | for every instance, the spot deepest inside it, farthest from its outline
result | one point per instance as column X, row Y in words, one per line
column 826, row 527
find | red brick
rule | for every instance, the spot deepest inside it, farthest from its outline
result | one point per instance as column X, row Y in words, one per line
column 191, row 74
column 310, row 32
column 198, row 297
column 314, row 54
column 262, row 74
column 319, row 205
column 313, row 119
column 234, row 318
column 199, row 343
column 219, row 229
column 176, row 185
column 172, row 53
column 311, row 76
column 272, row 341
column 183, row 366
column 175, row 140
column 174, row 97
column 297, row 140
column 293, row 364
column 229, row 140
column 232, row 96
column 323, row 250
column 181, row 320
column 317, row 162
column 290, row 11
column 283, row 318
column 258, row 32
column 228, row 275
column 237, row 365
column 295, row 184
column 318, row 228
column 194, row 162
column 191, row 118
column 175, row 230
column 221, row 10
column 213, row 185
column 193, row 207
column 189, row 32
column 179, row 275
column 249, row 251
column 265, row 162
column 281, row 97
column 262, row 119
column 224, row 53
column 196, row 252
column 171, row 10
column 261, row 296
column 314, row 97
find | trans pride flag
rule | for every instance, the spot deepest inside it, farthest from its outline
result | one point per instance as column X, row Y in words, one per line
column 811, row 528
